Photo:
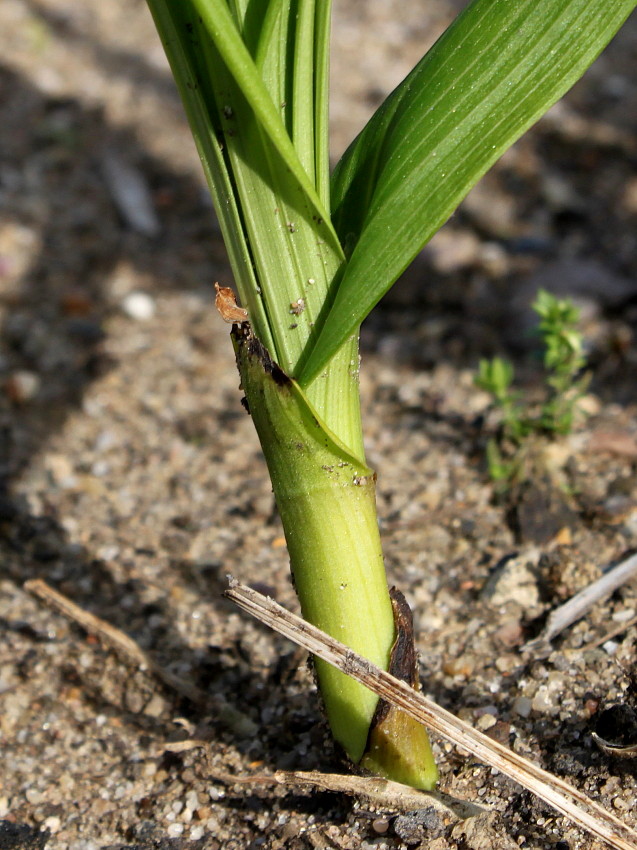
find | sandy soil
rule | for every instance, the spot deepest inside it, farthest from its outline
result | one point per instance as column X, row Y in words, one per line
column 131, row 479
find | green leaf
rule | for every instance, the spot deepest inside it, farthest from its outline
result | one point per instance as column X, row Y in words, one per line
column 173, row 22
column 218, row 22
column 281, row 243
column 494, row 72
column 323, row 14
column 495, row 376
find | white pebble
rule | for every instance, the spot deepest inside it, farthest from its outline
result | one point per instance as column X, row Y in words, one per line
column 53, row 824
column 139, row 305
column 197, row 832
column 543, row 701
column 175, row 830
column 192, row 800
column 216, row 793
column 34, row 796
column 623, row 615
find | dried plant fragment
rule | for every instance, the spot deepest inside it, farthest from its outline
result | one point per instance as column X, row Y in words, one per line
column 379, row 793
column 616, row 730
column 565, row 798
column 226, row 304
column 390, row 725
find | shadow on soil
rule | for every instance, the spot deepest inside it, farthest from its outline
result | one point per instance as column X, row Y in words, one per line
column 55, row 192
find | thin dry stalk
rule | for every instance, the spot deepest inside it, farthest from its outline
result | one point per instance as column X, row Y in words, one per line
column 613, row 633
column 559, row 794
column 580, row 604
column 376, row 792
column 133, row 654
column 115, row 639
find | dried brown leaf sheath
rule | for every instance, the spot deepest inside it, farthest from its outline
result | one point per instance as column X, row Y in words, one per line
column 226, row 304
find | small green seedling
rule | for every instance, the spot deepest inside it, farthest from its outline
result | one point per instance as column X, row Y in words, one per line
column 565, row 383
column 312, row 253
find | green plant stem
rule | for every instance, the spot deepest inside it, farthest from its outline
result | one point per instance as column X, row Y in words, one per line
column 286, row 261
column 326, row 499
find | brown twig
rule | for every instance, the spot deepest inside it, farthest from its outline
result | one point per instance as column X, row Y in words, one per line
column 563, row 797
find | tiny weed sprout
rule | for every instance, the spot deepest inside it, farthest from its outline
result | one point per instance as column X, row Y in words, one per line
column 522, row 420
column 563, row 361
column 312, row 253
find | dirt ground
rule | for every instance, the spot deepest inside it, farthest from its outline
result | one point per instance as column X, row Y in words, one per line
column 131, row 479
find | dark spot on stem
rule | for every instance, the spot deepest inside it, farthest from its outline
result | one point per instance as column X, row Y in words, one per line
column 244, row 338
column 402, row 663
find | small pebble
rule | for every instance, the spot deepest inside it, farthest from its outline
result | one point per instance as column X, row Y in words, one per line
column 513, row 580
column 139, row 305
column 543, row 700
column 522, row 706
column 507, row 663
column 155, row 707
column 623, row 615
column 175, row 830
column 380, row 826
column 105, row 440
column 463, row 665
column 216, row 793
column 22, row 386
column 494, row 259
column 197, row 832
column 486, row 721
column 101, row 468
column 53, row 824
column 60, row 469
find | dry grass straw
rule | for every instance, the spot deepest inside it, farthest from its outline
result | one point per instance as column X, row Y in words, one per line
column 564, row 798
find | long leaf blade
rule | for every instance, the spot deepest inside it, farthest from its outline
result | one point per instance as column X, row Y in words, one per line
column 218, row 23
column 321, row 98
column 173, row 23
column 495, row 71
